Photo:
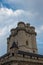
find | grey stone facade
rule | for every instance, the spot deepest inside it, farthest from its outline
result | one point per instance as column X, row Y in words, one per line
column 22, row 47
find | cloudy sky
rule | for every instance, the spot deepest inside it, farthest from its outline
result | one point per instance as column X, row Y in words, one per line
column 13, row 11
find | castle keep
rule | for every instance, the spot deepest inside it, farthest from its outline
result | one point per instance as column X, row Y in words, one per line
column 22, row 47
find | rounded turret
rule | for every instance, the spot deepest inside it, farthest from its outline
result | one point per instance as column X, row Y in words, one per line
column 21, row 24
column 13, row 31
column 32, row 28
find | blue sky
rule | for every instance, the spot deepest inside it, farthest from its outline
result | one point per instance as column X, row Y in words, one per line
column 13, row 11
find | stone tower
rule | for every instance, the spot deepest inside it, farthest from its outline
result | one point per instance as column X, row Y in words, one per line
column 23, row 37
column 22, row 47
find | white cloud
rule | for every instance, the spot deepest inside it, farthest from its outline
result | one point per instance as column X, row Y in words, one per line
column 8, row 18
column 41, row 27
column 3, row 31
column 39, row 30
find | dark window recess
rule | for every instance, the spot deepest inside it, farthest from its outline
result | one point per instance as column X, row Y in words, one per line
column 23, row 55
column 26, row 42
column 37, row 57
column 14, row 45
column 12, row 54
column 33, row 51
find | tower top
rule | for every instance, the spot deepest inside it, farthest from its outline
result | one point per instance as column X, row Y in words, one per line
column 23, row 37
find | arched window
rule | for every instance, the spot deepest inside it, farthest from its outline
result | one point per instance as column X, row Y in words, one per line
column 26, row 42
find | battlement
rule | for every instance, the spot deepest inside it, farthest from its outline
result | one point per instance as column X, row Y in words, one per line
column 22, row 26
